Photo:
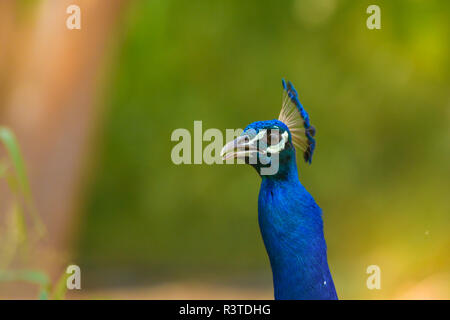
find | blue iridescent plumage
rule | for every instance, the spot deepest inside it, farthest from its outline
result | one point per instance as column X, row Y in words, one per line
column 289, row 218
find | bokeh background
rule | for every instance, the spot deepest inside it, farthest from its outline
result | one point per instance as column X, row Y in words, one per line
column 94, row 109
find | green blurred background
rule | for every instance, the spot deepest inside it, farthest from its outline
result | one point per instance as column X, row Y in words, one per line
column 94, row 109
column 378, row 98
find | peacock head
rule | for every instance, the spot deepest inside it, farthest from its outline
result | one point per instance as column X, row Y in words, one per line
column 269, row 146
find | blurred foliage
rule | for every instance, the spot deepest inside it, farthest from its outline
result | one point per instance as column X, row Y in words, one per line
column 31, row 276
column 14, row 235
column 378, row 98
column 16, row 239
column 46, row 290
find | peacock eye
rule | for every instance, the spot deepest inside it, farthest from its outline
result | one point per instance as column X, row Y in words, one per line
column 273, row 137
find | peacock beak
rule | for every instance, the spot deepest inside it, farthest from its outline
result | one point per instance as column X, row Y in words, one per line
column 242, row 147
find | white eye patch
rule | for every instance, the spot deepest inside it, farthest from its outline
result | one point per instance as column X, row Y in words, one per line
column 280, row 145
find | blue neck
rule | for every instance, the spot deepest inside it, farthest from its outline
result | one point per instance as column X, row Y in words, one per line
column 292, row 230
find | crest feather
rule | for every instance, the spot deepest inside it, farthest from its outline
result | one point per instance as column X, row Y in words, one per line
column 295, row 117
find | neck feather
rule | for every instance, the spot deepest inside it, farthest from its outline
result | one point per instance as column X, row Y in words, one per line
column 292, row 229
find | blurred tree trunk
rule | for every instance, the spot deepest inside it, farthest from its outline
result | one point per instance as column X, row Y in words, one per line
column 48, row 83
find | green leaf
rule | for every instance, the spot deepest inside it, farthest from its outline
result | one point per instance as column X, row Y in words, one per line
column 9, row 140
column 20, row 225
column 32, row 276
column 43, row 294
column 35, row 277
column 60, row 288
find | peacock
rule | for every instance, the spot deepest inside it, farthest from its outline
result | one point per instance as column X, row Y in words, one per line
column 290, row 221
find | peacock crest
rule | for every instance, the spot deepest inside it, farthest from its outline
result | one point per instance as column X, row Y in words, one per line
column 295, row 117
